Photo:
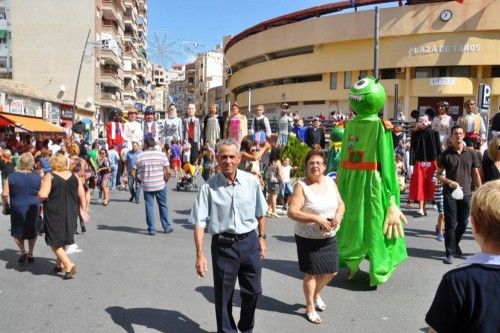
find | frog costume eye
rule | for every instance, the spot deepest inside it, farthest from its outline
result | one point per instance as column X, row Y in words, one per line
column 367, row 96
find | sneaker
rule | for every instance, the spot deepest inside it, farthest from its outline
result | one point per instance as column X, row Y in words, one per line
column 440, row 237
column 448, row 260
column 99, row 201
column 421, row 212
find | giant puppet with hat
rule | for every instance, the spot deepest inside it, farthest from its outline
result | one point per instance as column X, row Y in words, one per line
column 151, row 128
column 372, row 225
column 114, row 130
column 132, row 129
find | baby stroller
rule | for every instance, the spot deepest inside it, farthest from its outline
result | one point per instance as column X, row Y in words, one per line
column 186, row 183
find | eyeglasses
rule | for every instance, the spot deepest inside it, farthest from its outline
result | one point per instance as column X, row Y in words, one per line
column 312, row 163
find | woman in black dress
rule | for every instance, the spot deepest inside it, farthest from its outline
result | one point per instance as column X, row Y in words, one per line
column 22, row 188
column 61, row 191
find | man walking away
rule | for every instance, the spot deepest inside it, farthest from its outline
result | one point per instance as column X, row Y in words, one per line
column 153, row 171
column 133, row 185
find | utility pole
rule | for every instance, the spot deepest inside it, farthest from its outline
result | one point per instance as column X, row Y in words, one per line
column 376, row 44
column 79, row 72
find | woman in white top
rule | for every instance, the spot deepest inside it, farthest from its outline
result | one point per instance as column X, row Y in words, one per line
column 317, row 208
column 443, row 123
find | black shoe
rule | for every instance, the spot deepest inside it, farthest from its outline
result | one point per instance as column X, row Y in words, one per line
column 84, row 229
column 30, row 259
column 131, row 199
column 448, row 260
column 23, row 258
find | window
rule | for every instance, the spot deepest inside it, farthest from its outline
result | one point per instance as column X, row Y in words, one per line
column 388, row 73
column 423, row 72
column 312, row 102
column 333, row 81
column 347, row 80
column 363, row 73
column 495, row 71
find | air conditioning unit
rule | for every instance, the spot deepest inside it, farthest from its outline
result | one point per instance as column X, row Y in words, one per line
column 400, row 70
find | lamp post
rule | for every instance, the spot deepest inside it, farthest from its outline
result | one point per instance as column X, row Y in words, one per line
column 79, row 72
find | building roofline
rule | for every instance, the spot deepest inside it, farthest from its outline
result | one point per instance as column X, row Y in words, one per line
column 312, row 12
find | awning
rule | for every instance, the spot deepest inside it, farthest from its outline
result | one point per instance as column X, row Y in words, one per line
column 30, row 124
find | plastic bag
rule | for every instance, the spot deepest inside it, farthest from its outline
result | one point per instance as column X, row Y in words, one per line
column 458, row 193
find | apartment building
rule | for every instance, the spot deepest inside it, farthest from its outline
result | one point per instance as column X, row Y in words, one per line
column 208, row 75
column 5, row 40
column 50, row 37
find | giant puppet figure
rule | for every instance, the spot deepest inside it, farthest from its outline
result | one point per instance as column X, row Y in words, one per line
column 132, row 129
column 114, row 130
column 150, row 128
column 367, row 181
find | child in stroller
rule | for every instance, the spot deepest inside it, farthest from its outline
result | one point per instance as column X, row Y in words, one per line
column 186, row 182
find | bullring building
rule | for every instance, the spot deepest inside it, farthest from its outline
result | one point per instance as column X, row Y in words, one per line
column 429, row 51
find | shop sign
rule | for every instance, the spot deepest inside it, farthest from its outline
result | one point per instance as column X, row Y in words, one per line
column 442, row 81
column 16, row 106
column 55, row 112
column 446, row 48
column 67, row 113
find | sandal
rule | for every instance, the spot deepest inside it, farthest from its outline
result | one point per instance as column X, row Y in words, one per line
column 23, row 258
column 30, row 259
column 319, row 304
column 70, row 274
column 313, row 317
column 105, row 203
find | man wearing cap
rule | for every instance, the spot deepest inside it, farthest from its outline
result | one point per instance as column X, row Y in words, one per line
column 315, row 134
column 471, row 122
column 173, row 124
column 284, row 125
column 132, row 130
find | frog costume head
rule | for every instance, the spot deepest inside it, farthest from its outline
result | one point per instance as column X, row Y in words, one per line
column 367, row 96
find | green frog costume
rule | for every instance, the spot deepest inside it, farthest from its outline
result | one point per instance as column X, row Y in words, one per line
column 368, row 184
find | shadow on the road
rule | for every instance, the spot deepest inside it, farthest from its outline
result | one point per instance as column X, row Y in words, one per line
column 288, row 239
column 122, row 229
column 266, row 303
column 361, row 281
column 41, row 266
column 428, row 254
column 183, row 211
column 411, row 232
column 184, row 223
column 158, row 319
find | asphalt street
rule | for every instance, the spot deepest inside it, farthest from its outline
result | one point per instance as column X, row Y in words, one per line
column 130, row 281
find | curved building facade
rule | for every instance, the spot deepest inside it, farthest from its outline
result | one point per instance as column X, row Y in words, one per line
column 428, row 52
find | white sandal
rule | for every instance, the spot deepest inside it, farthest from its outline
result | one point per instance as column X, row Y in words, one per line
column 319, row 304
column 313, row 317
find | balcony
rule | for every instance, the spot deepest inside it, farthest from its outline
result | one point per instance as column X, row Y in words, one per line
column 110, row 26
column 112, row 78
column 140, row 71
column 109, row 100
column 109, row 57
column 110, row 10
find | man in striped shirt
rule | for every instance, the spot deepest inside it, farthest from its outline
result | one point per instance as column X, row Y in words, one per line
column 152, row 170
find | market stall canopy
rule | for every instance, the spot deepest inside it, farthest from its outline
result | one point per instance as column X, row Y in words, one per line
column 30, row 124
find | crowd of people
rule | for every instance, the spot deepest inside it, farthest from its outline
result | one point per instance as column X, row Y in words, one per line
column 442, row 162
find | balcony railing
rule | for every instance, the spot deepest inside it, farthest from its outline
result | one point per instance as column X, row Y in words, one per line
column 109, row 6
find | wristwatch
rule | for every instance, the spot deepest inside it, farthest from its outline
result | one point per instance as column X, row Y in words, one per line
column 263, row 236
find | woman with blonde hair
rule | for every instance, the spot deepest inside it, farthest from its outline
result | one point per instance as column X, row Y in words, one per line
column 79, row 166
column 317, row 208
column 22, row 188
column 490, row 166
column 61, row 191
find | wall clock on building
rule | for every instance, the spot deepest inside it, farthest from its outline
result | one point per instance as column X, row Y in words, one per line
column 446, row 15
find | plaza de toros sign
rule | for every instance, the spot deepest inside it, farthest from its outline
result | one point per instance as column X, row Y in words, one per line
column 446, row 48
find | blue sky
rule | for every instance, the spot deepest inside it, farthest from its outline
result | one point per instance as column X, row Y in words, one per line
column 178, row 24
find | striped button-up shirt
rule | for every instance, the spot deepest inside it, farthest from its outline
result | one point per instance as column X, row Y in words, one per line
column 150, row 167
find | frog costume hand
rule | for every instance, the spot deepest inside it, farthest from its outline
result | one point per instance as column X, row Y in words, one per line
column 367, row 181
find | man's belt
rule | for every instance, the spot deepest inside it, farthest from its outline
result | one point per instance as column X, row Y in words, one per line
column 228, row 238
column 368, row 166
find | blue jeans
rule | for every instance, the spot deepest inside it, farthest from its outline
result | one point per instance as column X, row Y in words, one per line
column 134, row 187
column 114, row 173
column 161, row 199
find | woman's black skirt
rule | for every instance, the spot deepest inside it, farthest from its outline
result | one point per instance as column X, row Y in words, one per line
column 317, row 256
